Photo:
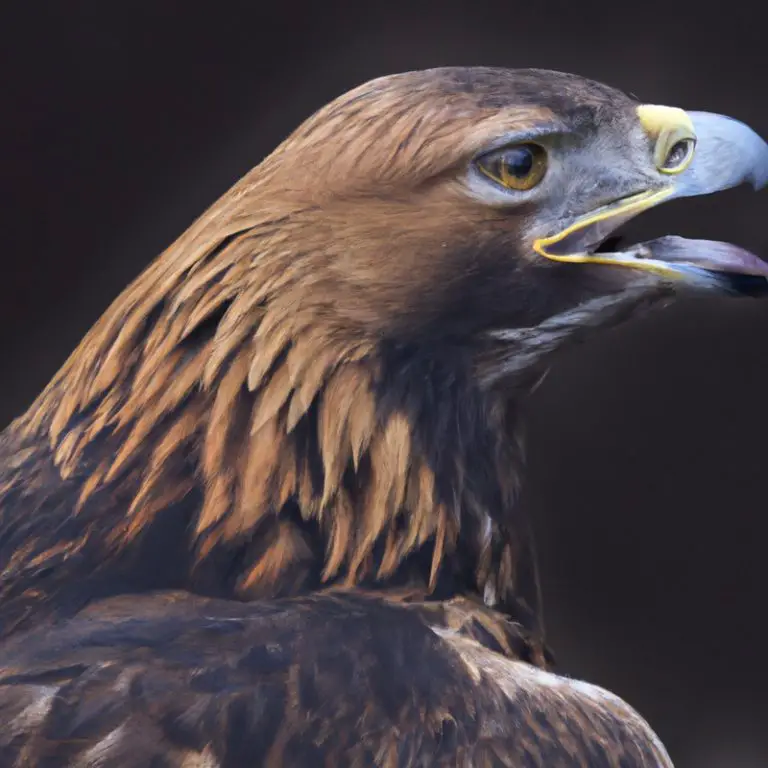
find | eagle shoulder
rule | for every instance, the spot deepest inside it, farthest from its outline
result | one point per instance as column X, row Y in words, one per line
column 551, row 718
column 339, row 678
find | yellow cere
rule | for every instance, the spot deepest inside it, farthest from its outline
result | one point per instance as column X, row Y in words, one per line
column 671, row 129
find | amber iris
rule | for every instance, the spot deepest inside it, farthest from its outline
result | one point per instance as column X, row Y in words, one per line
column 520, row 167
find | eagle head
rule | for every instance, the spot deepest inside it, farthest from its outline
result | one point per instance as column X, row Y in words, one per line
column 319, row 383
column 452, row 202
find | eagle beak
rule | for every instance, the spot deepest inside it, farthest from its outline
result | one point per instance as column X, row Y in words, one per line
column 711, row 153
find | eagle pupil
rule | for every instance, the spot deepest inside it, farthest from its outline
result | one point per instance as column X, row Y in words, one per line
column 677, row 154
column 519, row 162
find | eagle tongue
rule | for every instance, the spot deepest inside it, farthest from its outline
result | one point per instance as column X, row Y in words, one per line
column 712, row 255
column 733, row 268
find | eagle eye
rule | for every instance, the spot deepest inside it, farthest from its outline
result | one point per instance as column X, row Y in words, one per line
column 678, row 156
column 519, row 167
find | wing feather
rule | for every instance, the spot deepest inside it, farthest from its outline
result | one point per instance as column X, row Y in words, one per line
column 337, row 679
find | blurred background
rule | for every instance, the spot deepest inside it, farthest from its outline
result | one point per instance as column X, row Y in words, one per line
column 121, row 122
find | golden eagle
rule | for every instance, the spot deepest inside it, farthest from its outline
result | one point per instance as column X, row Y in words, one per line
column 266, row 512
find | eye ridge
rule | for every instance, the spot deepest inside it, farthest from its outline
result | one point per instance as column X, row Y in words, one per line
column 518, row 166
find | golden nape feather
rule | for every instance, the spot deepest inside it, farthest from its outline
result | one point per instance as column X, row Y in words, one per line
column 267, row 512
column 242, row 386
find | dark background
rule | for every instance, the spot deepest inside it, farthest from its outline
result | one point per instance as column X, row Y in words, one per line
column 121, row 122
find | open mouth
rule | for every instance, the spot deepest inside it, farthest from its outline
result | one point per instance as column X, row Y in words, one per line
column 708, row 263
column 727, row 153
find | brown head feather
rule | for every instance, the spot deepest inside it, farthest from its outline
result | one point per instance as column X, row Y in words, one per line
column 289, row 395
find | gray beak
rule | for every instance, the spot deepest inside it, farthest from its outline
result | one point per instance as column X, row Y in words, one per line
column 726, row 153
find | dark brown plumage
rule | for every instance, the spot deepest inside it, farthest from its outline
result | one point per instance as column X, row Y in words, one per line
column 302, row 418
column 317, row 681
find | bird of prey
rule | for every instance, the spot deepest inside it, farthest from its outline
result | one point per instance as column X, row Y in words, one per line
column 266, row 513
